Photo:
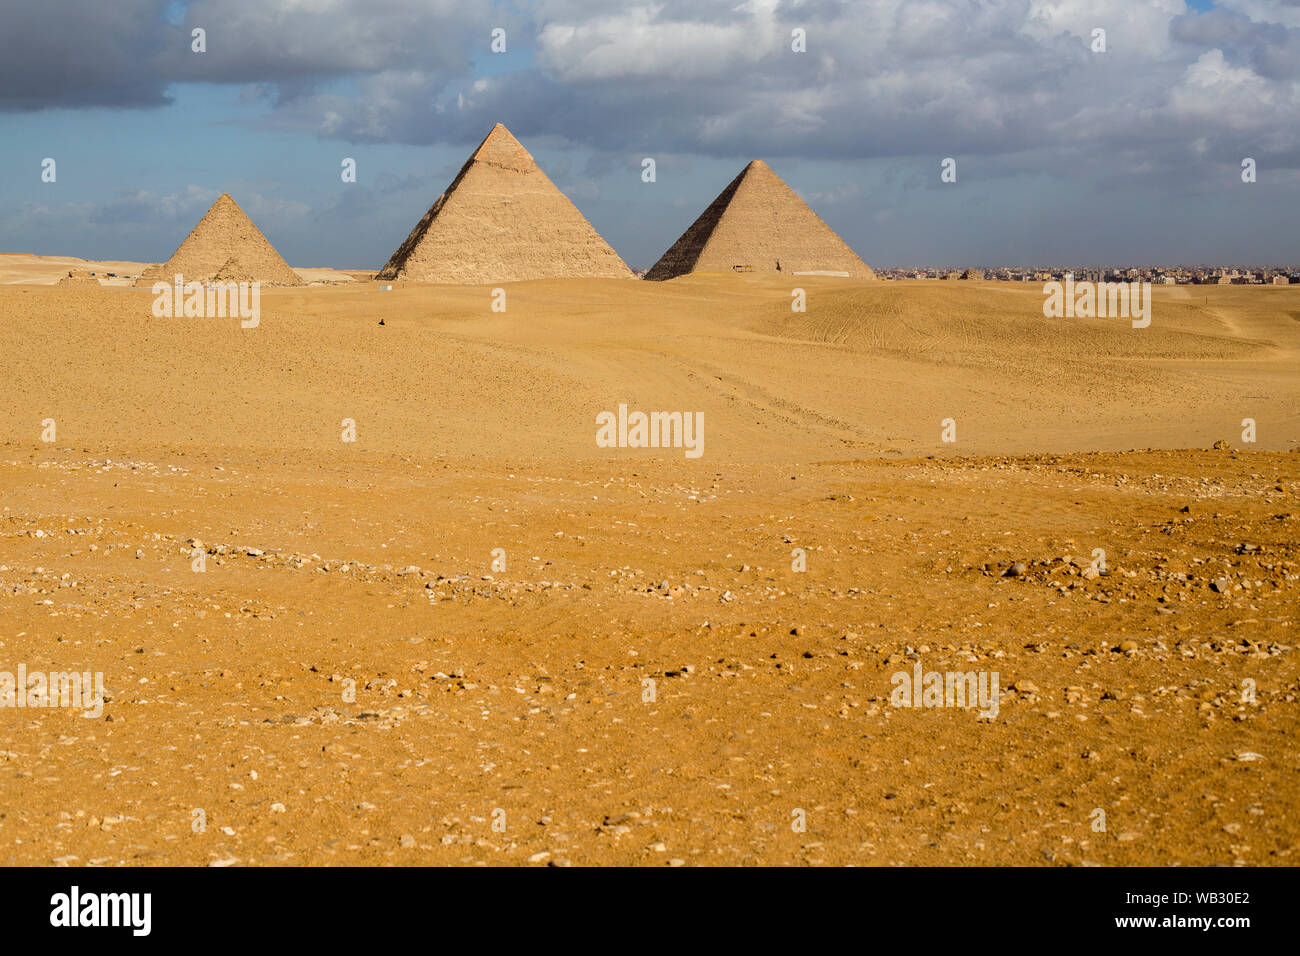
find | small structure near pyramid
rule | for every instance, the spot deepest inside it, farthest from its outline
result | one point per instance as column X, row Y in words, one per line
column 759, row 224
column 502, row 220
column 79, row 277
column 233, row 271
column 223, row 235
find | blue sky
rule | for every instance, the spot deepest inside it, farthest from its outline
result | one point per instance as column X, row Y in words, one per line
column 1063, row 154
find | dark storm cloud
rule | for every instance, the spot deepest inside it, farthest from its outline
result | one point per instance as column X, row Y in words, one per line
column 292, row 43
column 82, row 53
column 125, row 53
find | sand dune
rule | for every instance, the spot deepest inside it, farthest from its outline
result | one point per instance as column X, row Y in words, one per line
column 870, row 368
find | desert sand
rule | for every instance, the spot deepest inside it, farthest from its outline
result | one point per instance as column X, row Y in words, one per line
column 350, row 681
column 27, row 269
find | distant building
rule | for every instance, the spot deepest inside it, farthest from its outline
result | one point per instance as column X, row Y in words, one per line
column 1281, row 280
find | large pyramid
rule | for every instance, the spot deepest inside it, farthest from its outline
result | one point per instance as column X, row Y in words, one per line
column 224, row 233
column 501, row 220
column 759, row 224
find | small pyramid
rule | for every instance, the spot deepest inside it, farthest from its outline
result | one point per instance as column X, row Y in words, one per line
column 224, row 233
column 502, row 220
column 972, row 274
column 759, row 224
column 233, row 271
column 79, row 277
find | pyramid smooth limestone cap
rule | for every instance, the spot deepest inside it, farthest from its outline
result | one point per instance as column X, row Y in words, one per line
column 756, row 169
column 500, row 147
column 498, row 134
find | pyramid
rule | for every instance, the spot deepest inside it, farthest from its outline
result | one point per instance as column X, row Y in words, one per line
column 224, row 233
column 759, row 224
column 233, row 271
column 502, row 220
column 79, row 277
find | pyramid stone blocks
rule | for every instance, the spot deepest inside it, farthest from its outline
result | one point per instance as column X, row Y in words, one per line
column 502, row 220
column 759, row 224
column 224, row 235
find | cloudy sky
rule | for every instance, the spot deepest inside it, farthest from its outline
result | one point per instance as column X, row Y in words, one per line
column 1064, row 155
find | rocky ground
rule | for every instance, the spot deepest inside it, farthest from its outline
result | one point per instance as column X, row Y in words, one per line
column 314, row 661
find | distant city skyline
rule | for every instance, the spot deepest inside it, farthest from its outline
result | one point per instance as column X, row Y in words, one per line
column 1119, row 267
column 1178, row 274
column 1063, row 153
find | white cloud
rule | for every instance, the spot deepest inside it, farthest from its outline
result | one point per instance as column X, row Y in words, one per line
column 638, row 44
column 1234, row 98
column 1266, row 11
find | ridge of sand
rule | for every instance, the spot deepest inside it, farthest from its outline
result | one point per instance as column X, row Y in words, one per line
column 759, row 224
column 501, row 220
column 224, row 232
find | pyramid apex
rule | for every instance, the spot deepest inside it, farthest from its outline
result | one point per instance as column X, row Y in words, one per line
column 757, row 170
column 225, row 201
column 500, row 132
column 501, row 148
